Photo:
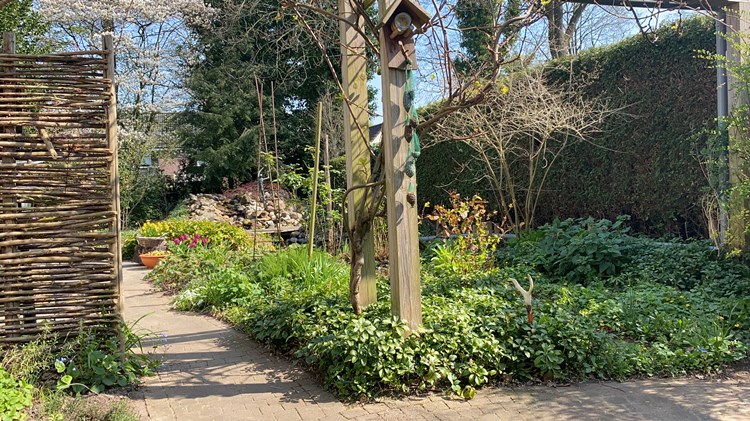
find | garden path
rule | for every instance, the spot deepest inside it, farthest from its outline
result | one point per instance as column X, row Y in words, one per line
column 213, row 372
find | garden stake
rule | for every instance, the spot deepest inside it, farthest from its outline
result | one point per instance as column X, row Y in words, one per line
column 526, row 299
column 314, row 198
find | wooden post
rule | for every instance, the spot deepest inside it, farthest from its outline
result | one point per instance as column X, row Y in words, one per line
column 403, row 237
column 329, row 201
column 114, row 176
column 8, row 202
column 737, row 19
column 314, row 198
column 356, row 137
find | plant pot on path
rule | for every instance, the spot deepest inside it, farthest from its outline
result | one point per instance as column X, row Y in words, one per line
column 151, row 260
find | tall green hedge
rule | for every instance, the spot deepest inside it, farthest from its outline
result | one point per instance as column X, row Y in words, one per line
column 645, row 164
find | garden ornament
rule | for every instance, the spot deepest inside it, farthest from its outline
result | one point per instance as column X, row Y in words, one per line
column 526, row 296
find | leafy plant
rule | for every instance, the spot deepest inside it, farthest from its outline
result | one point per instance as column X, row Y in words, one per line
column 15, row 397
column 583, row 250
column 93, row 363
column 474, row 245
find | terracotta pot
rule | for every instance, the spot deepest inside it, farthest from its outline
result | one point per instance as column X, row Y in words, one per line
column 150, row 261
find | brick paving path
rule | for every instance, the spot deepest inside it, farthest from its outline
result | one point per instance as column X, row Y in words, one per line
column 213, row 372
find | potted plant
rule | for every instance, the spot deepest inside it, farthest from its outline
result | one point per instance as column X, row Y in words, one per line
column 152, row 258
column 151, row 236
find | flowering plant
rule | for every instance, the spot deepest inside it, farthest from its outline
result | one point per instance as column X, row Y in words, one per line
column 157, row 253
column 187, row 242
column 153, row 229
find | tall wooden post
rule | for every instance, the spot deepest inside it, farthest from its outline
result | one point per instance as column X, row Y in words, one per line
column 316, row 172
column 738, row 22
column 356, row 136
column 114, row 178
column 403, row 237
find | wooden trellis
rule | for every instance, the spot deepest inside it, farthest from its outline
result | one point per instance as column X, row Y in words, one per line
column 59, row 201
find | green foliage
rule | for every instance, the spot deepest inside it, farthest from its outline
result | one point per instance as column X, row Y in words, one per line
column 92, row 363
column 302, row 272
column 584, row 250
column 222, row 139
column 128, row 244
column 15, row 397
column 175, row 272
column 31, row 32
column 474, row 246
column 646, row 164
column 476, row 21
column 653, row 327
column 600, row 251
column 220, row 234
column 144, row 197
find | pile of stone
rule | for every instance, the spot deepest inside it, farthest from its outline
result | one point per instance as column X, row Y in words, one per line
column 244, row 210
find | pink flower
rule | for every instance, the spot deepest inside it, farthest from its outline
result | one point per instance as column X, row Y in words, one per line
column 196, row 236
column 192, row 245
column 184, row 237
column 177, row 241
column 205, row 240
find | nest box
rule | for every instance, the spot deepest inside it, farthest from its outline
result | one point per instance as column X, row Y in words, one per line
column 401, row 20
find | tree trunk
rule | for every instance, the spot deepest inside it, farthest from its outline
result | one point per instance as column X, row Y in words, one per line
column 556, row 31
column 357, row 242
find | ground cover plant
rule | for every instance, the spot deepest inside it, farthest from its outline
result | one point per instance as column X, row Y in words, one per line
column 606, row 306
column 56, row 378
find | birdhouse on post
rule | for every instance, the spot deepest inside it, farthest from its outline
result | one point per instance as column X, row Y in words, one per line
column 402, row 20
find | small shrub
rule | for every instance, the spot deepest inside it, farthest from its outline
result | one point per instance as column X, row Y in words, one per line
column 583, row 250
column 92, row 363
column 474, row 246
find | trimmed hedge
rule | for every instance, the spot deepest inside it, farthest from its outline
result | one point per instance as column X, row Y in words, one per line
column 646, row 166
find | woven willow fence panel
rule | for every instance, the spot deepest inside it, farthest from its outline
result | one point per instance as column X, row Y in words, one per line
column 59, row 208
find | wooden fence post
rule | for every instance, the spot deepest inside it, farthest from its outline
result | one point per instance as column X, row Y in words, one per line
column 403, row 237
column 356, row 137
column 114, row 174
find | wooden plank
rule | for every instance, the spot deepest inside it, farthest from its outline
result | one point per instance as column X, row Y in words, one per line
column 403, row 240
column 356, row 136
